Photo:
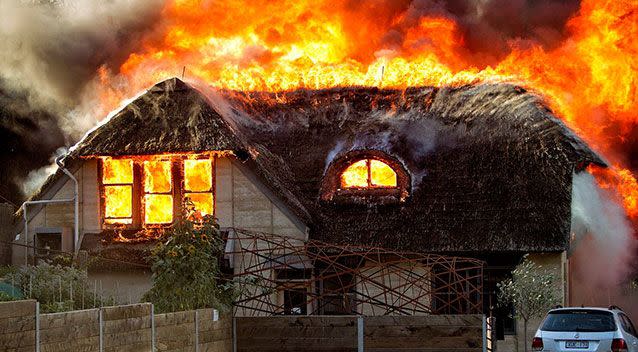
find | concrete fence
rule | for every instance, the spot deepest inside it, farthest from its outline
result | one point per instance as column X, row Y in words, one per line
column 121, row 328
column 136, row 328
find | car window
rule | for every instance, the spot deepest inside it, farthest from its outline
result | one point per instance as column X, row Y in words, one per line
column 581, row 320
column 627, row 325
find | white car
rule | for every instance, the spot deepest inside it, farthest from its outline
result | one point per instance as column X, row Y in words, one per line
column 586, row 329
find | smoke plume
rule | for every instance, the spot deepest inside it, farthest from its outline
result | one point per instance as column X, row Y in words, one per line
column 602, row 245
column 51, row 55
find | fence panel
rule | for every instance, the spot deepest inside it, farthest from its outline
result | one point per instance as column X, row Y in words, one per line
column 127, row 328
column 18, row 325
column 297, row 333
column 462, row 333
column 425, row 333
column 70, row 331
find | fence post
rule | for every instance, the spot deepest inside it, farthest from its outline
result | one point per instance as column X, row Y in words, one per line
column 234, row 334
column 196, row 331
column 360, row 333
column 153, row 337
column 484, row 333
column 37, row 326
column 101, row 323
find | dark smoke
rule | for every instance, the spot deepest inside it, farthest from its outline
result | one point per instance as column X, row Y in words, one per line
column 27, row 139
column 50, row 54
column 489, row 28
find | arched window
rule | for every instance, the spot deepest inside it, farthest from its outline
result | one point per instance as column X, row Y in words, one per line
column 368, row 173
column 365, row 177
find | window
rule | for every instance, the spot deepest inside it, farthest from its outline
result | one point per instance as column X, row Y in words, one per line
column 627, row 325
column 365, row 177
column 117, row 178
column 158, row 196
column 198, row 184
column 581, row 320
column 152, row 191
column 368, row 173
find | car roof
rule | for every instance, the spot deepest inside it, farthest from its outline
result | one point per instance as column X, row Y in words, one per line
column 611, row 309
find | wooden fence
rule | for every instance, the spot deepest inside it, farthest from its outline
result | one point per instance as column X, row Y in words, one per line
column 461, row 333
column 120, row 328
column 136, row 328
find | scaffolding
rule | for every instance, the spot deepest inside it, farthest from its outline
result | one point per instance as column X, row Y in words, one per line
column 276, row 275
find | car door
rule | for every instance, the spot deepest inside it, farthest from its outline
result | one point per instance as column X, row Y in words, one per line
column 630, row 332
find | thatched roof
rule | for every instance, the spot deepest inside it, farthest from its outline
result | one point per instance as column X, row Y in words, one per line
column 491, row 167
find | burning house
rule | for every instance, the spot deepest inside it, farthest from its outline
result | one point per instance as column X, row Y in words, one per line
column 482, row 172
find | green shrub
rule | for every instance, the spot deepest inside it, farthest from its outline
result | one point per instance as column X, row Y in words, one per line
column 186, row 273
column 58, row 288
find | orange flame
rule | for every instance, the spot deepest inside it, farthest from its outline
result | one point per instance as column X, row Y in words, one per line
column 368, row 173
column 590, row 79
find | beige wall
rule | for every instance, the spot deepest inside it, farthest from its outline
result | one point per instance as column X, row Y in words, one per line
column 407, row 281
column 61, row 215
column 243, row 203
column 555, row 262
column 123, row 287
column 240, row 203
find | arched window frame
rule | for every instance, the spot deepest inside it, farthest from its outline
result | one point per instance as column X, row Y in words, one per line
column 331, row 190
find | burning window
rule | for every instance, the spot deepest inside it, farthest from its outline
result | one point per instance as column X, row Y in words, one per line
column 365, row 177
column 152, row 191
column 117, row 177
column 158, row 197
column 198, row 184
column 368, row 173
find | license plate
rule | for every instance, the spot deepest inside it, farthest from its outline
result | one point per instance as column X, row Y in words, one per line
column 577, row 344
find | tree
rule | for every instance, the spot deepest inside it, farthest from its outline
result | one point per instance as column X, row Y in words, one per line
column 531, row 291
column 185, row 265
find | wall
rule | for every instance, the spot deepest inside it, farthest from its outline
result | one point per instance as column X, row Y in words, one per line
column 123, row 286
column 60, row 216
column 400, row 280
column 243, row 202
column 555, row 262
column 119, row 328
column 341, row 333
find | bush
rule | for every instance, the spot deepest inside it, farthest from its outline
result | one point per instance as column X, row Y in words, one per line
column 58, row 288
column 185, row 267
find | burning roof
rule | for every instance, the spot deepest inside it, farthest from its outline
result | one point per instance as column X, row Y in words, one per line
column 484, row 161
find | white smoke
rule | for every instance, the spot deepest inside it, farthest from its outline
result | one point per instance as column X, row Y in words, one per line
column 36, row 178
column 602, row 243
column 51, row 50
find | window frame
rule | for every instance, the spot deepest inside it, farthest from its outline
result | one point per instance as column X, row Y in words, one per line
column 138, row 192
column 370, row 186
column 331, row 190
column 213, row 187
column 172, row 192
column 135, row 199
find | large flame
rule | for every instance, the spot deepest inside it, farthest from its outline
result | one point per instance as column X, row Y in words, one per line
column 589, row 80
